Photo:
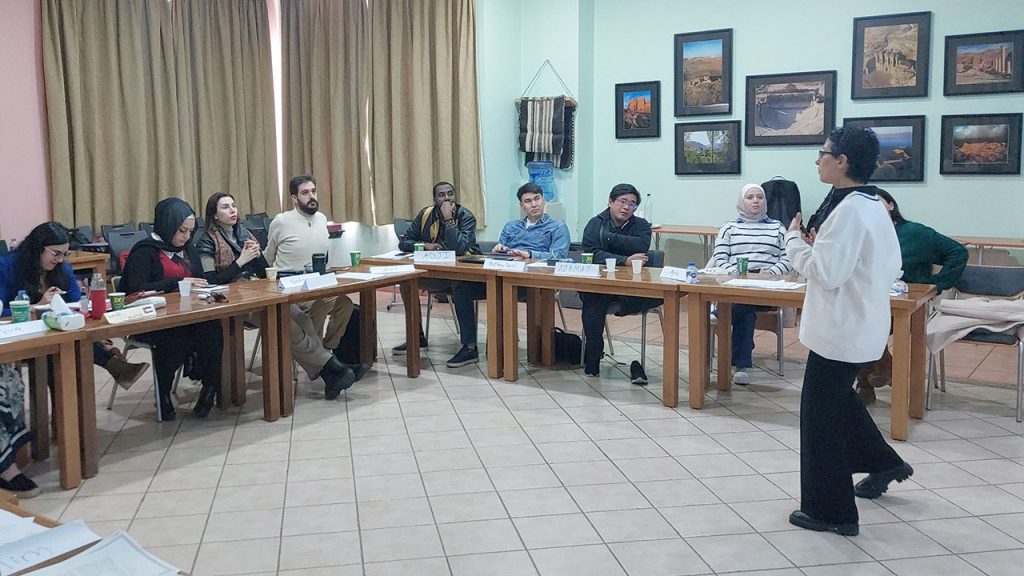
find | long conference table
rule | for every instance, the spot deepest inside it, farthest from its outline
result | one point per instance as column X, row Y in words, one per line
column 71, row 352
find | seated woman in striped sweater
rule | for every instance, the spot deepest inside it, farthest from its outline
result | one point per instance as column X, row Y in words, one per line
column 755, row 236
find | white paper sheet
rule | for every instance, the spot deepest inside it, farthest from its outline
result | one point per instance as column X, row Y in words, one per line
column 359, row 276
column 17, row 527
column 393, row 255
column 116, row 555
column 769, row 284
column 38, row 548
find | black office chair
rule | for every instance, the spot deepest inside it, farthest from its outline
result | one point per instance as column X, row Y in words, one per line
column 121, row 242
column 108, row 229
column 146, row 227
column 258, row 219
column 997, row 282
column 258, row 232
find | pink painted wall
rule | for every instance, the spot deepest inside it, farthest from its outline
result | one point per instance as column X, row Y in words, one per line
column 24, row 189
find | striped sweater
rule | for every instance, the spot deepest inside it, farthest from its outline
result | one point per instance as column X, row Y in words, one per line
column 762, row 242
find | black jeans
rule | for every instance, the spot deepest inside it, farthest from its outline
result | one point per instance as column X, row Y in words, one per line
column 172, row 346
column 837, row 439
column 595, row 309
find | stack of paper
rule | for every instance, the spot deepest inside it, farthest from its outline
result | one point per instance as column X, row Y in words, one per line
column 769, row 284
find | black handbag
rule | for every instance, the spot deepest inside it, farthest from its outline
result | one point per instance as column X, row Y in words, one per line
column 568, row 347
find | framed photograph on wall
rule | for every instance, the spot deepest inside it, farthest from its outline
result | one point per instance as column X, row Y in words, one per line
column 786, row 109
column 708, row 148
column 890, row 55
column 901, row 143
column 637, row 106
column 984, row 63
column 703, row 73
column 981, row 144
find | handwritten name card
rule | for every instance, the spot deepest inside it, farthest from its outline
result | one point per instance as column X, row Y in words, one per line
column 434, row 257
column 575, row 269
column 673, row 273
column 509, row 265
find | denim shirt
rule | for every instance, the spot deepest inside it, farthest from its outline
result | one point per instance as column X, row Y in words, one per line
column 548, row 238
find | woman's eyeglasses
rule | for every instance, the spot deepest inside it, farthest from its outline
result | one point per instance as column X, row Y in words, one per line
column 58, row 254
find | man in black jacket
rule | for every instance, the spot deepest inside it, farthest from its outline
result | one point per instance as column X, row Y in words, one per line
column 444, row 225
column 615, row 233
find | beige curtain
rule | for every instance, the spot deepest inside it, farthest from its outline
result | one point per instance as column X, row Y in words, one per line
column 114, row 145
column 326, row 80
column 424, row 116
column 226, row 94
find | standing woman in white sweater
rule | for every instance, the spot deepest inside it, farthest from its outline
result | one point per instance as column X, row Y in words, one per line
column 850, row 262
column 760, row 239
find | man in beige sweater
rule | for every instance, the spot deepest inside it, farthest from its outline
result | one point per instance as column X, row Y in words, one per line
column 293, row 238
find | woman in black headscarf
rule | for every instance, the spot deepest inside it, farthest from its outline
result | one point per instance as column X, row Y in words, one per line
column 158, row 263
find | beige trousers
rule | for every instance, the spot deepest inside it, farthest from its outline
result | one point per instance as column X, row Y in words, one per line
column 310, row 317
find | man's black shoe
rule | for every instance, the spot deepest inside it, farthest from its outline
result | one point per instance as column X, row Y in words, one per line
column 874, row 485
column 336, row 378
column 799, row 518
column 358, row 370
column 400, row 349
column 463, row 357
column 636, row 373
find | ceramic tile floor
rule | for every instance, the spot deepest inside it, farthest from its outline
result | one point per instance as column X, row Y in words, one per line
column 554, row 474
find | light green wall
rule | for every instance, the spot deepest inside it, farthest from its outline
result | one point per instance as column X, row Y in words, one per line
column 595, row 44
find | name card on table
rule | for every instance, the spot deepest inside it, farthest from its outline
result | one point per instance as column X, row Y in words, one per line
column 22, row 329
column 510, row 265
column 320, row 281
column 576, row 269
column 673, row 273
column 130, row 314
column 434, row 257
column 399, row 269
column 296, row 282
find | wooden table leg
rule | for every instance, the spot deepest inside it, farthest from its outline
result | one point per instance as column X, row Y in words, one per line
column 85, row 404
column 511, row 339
column 918, row 359
column 900, row 409
column 697, row 327
column 546, row 325
column 368, row 326
column 410, row 298
column 238, row 373
column 39, row 399
column 495, row 313
column 226, row 377
column 670, row 362
column 72, row 455
column 277, row 361
column 724, row 332
column 532, row 325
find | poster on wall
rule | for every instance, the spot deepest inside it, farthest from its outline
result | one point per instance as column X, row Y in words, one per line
column 785, row 109
column 638, row 110
column 708, row 148
column 981, row 144
column 984, row 63
column 890, row 55
column 901, row 146
column 703, row 73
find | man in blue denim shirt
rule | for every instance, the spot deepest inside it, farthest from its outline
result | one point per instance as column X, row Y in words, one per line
column 537, row 236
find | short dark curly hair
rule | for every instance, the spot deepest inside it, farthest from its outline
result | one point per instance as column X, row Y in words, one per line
column 860, row 145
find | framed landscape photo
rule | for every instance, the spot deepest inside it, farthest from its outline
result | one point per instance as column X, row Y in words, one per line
column 637, row 107
column 786, row 109
column 703, row 73
column 901, row 146
column 890, row 55
column 981, row 144
column 984, row 63
column 708, row 148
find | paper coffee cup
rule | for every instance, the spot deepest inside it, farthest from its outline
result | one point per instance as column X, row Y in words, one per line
column 117, row 300
column 638, row 266
column 419, row 246
column 587, row 258
column 609, row 264
column 271, row 273
column 356, row 256
column 20, row 311
column 184, row 287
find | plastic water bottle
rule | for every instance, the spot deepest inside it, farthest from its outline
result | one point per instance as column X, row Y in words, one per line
column 20, row 307
column 691, row 273
column 98, row 296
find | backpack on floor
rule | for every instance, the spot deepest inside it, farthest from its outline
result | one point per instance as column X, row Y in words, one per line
column 568, row 347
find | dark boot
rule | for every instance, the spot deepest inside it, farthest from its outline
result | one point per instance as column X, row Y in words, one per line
column 125, row 373
column 205, row 402
column 165, row 407
column 336, row 378
column 881, row 376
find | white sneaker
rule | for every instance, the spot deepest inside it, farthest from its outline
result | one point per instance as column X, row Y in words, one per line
column 741, row 377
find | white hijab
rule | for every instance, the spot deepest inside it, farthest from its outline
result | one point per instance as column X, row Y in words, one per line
column 745, row 215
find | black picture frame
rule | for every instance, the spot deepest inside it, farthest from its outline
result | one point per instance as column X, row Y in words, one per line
column 901, row 141
column 707, row 89
column 891, row 56
column 633, row 120
column 976, row 63
column 692, row 152
column 774, row 116
column 993, row 140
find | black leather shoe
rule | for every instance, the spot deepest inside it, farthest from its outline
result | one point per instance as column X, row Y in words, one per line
column 359, row 370
column 336, row 378
column 874, row 485
column 799, row 518
column 165, row 411
column 207, row 397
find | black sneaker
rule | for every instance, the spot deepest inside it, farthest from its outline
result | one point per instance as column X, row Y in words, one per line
column 874, row 485
column 636, row 374
column 21, row 486
column 400, row 349
column 464, row 356
column 799, row 518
